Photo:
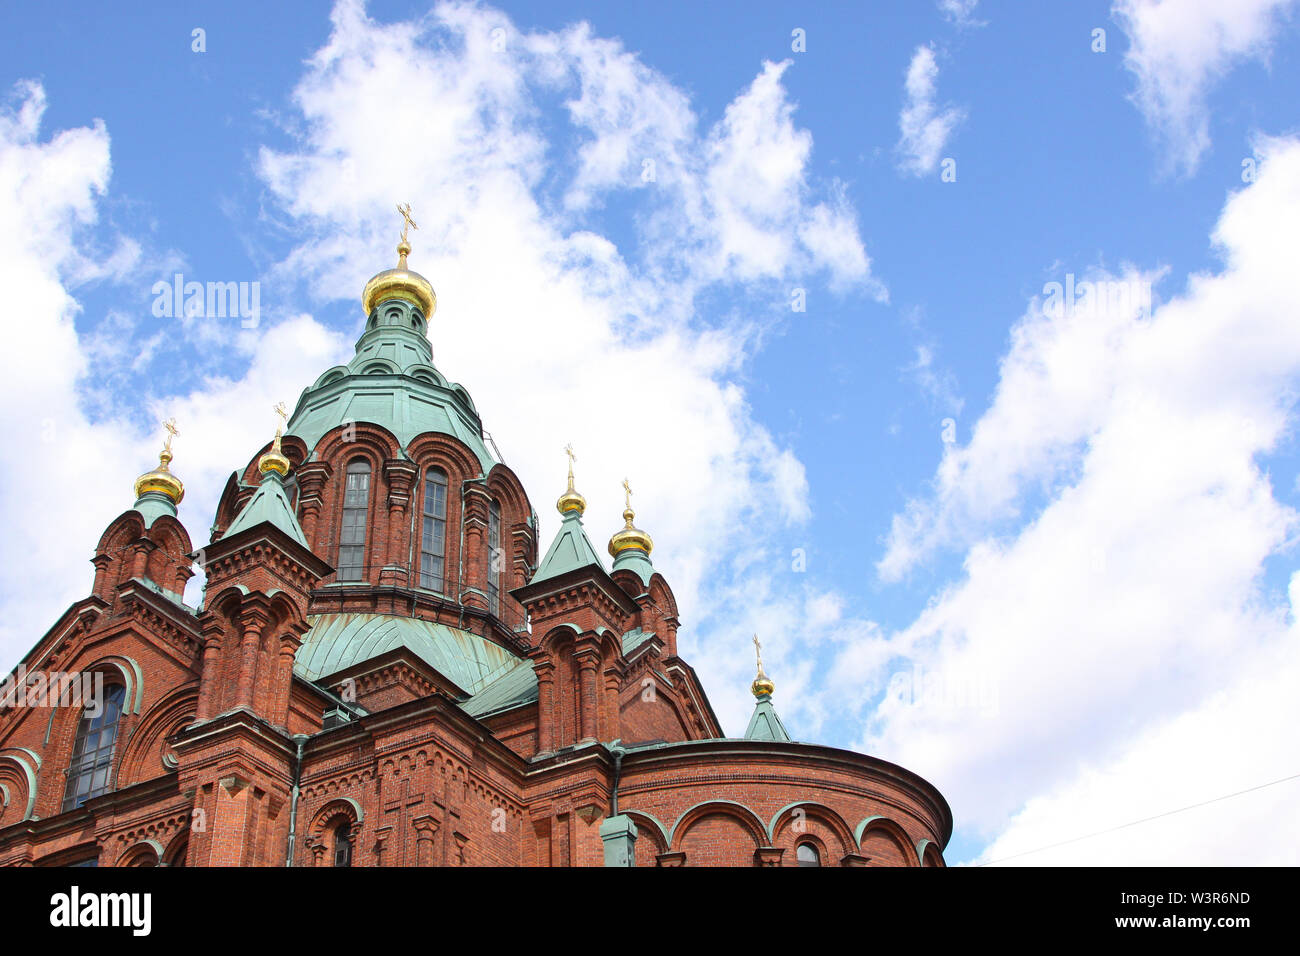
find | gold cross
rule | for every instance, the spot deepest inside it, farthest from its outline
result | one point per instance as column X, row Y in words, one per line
column 758, row 652
column 408, row 222
column 283, row 412
column 568, row 450
column 170, row 425
column 627, row 497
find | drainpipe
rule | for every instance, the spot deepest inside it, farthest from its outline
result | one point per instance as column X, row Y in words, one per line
column 300, row 739
column 618, row 833
column 617, row 750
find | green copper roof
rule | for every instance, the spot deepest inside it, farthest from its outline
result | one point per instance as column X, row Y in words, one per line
column 515, row 687
column 634, row 639
column 269, row 503
column 765, row 724
column 152, row 505
column 391, row 382
column 336, row 642
column 570, row 550
column 634, row 559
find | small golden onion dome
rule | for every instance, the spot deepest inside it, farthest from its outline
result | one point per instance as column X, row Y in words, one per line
column 273, row 460
column 161, row 480
column 400, row 283
column 762, row 685
column 629, row 537
column 571, row 501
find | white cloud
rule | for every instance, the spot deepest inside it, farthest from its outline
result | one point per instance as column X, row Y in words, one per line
column 960, row 12
column 1123, row 613
column 923, row 130
column 1178, row 50
column 50, row 375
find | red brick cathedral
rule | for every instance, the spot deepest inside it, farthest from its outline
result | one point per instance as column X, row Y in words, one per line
column 381, row 672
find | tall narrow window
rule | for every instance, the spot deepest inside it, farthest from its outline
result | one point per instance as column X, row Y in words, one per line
column 352, row 540
column 494, row 558
column 92, row 752
column 433, row 542
column 343, row 845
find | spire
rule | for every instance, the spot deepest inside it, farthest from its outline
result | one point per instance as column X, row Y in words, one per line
column 401, row 283
column 571, row 500
column 270, row 503
column 571, row 548
column 765, row 724
column 762, row 685
column 274, row 459
column 631, row 546
column 158, row 492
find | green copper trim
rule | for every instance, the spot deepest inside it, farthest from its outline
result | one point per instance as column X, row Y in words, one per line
column 269, row 504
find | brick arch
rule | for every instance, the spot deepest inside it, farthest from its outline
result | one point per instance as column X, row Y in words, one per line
column 737, row 813
column 367, row 438
column 19, row 783
column 338, row 808
column 648, row 827
column 881, row 826
column 144, row 853
column 824, row 854
column 336, row 811
column 928, row 853
column 144, row 754
column 435, row 448
column 784, row 818
column 124, row 670
column 177, row 849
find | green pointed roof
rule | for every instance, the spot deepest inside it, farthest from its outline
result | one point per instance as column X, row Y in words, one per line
column 269, row 503
column 765, row 724
column 570, row 550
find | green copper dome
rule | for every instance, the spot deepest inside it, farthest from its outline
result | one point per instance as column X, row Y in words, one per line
column 391, row 382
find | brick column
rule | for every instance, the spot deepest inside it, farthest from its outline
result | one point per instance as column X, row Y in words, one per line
column 587, row 659
column 546, row 716
column 209, row 681
column 252, row 619
column 312, row 476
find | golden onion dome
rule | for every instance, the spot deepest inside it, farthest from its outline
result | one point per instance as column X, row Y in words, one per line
column 571, row 501
column 161, row 480
column 629, row 537
column 274, row 460
column 400, row 283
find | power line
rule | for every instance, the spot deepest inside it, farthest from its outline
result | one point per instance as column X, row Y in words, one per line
column 1122, row 826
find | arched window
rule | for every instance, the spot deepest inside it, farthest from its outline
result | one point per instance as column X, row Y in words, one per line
column 352, row 539
column 494, row 558
column 807, row 855
column 433, row 541
column 343, row 844
column 91, row 768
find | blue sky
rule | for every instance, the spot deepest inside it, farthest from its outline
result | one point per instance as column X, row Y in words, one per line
column 1044, row 558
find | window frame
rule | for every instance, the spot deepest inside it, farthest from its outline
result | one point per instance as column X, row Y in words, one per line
column 429, row 526
column 86, row 766
column 350, row 570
